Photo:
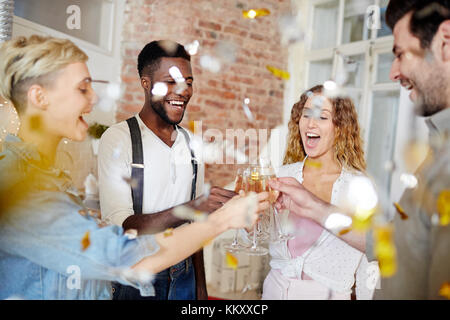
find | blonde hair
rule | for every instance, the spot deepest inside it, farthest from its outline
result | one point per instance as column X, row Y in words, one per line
column 33, row 60
column 348, row 145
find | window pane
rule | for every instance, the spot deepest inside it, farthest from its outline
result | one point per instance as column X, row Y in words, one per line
column 385, row 30
column 355, row 28
column 381, row 142
column 354, row 70
column 356, row 96
column 94, row 17
column 324, row 25
column 384, row 67
column 319, row 72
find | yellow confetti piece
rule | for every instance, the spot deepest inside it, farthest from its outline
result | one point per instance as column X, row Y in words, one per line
column 85, row 241
column 231, row 260
column 35, row 123
column 192, row 126
column 385, row 251
column 344, row 231
column 445, row 290
column 279, row 73
column 400, row 211
column 168, row 232
column 313, row 164
column 362, row 219
column 443, row 207
column 255, row 13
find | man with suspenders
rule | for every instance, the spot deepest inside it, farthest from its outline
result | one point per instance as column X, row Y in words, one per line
column 146, row 168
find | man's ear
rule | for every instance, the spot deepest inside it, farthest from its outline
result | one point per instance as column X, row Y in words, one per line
column 146, row 83
column 444, row 35
column 37, row 97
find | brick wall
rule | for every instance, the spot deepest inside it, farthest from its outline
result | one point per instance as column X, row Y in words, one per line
column 218, row 97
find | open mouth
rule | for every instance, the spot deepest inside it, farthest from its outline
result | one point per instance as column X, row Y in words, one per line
column 312, row 139
column 82, row 120
column 407, row 84
column 176, row 104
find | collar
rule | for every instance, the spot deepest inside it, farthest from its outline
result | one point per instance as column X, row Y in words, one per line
column 439, row 128
column 29, row 153
column 439, row 123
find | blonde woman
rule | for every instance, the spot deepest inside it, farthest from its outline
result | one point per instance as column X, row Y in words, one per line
column 324, row 152
column 48, row 250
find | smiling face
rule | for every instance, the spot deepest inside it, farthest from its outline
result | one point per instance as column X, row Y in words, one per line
column 317, row 128
column 172, row 105
column 418, row 70
column 69, row 98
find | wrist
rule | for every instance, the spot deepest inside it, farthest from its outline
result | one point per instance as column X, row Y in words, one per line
column 217, row 222
column 322, row 211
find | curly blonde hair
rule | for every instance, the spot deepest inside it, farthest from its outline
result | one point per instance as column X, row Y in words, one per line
column 33, row 60
column 348, row 145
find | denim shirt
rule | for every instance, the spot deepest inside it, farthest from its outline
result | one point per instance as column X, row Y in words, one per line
column 48, row 250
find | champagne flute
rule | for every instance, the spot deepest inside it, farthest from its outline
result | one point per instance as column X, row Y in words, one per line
column 277, row 219
column 239, row 185
column 254, row 183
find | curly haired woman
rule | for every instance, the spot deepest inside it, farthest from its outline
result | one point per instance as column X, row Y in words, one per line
column 324, row 153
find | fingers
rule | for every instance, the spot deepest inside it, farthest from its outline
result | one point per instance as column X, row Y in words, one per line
column 293, row 189
column 289, row 181
column 220, row 192
column 218, row 196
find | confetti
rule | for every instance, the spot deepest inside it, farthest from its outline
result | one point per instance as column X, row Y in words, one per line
column 255, row 13
column 192, row 48
column 90, row 184
column 291, row 29
column 210, row 63
column 313, row 163
column 131, row 234
column 226, row 51
column 344, row 231
column 168, row 46
column 85, row 241
column 278, row 73
column 186, row 213
column 247, row 111
column 159, row 90
column 175, row 73
column 35, row 122
column 362, row 220
column 443, row 207
column 231, row 261
column 168, row 232
column 409, row 180
column 400, row 211
column 337, row 221
column 444, row 291
column 191, row 125
column 389, row 166
column 113, row 90
column 132, row 182
column 385, row 250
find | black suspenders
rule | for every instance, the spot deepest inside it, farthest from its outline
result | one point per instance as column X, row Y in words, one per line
column 137, row 167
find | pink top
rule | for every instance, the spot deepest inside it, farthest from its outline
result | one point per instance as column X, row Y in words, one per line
column 309, row 232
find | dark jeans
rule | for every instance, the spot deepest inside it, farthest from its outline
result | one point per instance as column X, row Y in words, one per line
column 174, row 283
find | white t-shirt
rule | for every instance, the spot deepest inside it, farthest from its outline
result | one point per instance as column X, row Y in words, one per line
column 167, row 172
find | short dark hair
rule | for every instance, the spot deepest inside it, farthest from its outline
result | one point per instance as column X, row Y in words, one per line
column 426, row 18
column 151, row 54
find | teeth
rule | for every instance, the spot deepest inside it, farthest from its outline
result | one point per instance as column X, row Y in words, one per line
column 176, row 103
column 312, row 135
